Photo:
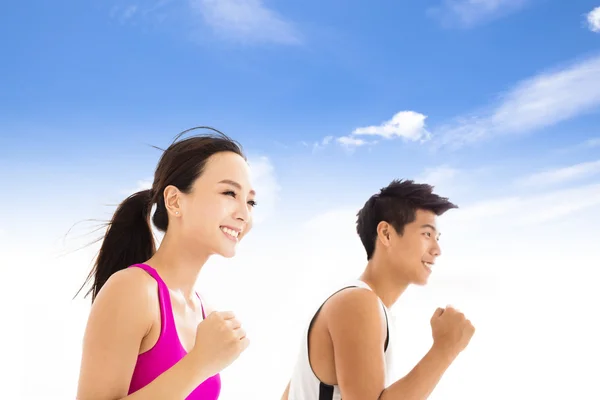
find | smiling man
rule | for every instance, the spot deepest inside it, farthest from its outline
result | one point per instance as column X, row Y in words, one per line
column 347, row 348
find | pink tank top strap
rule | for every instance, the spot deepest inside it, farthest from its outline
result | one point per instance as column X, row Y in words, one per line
column 167, row 321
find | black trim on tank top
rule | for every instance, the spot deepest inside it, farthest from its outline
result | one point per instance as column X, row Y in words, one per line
column 325, row 391
column 387, row 328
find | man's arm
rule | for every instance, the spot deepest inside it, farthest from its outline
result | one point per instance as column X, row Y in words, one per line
column 452, row 332
column 356, row 324
column 422, row 379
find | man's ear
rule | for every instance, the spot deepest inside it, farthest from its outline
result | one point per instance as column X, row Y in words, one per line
column 384, row 231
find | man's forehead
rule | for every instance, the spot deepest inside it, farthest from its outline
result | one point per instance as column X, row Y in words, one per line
column 426, row 215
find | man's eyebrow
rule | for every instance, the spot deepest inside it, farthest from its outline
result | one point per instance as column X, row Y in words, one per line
column 237, row 185
column 431, row 227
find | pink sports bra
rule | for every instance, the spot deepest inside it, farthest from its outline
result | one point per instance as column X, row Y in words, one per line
column 168, row 349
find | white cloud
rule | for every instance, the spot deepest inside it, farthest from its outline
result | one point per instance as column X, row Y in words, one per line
column 526, row 210
column 593, row 20
column 241, row 21
column 320, row 144
column 350, row 142
column 246, row 21
column 409, row 125
column 541, row 101
column 468, row 13
column 561, row 175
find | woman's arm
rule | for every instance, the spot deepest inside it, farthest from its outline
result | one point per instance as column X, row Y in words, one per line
column 120, row 318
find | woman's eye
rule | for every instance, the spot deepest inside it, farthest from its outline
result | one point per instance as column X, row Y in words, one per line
column 252, row 203
column 229, row 193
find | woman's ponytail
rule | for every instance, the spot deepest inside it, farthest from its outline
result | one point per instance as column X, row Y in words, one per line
column 128, row 240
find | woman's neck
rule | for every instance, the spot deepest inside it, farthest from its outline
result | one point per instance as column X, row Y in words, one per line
column 178, row 266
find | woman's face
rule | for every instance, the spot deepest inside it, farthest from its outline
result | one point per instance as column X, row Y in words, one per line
column 217, row 213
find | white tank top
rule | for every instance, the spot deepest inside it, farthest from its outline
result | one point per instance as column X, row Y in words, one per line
column 304, row 384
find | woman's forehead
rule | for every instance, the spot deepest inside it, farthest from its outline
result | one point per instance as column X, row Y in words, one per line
column 227, row 168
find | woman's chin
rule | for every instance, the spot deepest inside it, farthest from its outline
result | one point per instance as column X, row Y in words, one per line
column 227, row 252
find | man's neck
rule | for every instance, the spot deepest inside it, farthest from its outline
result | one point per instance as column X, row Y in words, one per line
column 388, row 287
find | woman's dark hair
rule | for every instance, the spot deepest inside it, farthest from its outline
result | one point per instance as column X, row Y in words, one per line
column 128, row 239
column 397, row 204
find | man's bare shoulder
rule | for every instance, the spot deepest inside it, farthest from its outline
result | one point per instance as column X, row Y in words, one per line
column 352, row 306
column 355, row 322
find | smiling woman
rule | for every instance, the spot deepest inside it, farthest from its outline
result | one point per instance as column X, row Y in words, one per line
column 148, row 335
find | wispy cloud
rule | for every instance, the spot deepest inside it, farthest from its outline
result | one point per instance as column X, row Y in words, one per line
column 561, row 175
column 541, row 101
column 579, row 146
column 246, row 21
column 239, row 21
column 316, row 146
column 350, row 142
column 408, row 125
column 593, row 142
column 593, row 20
column 513, row 211
column 468, row 13
column 538, row 102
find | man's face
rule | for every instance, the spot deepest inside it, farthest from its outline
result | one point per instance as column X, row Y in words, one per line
column 414, row 252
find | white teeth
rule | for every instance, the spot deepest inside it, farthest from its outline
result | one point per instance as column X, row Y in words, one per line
column 230, row 232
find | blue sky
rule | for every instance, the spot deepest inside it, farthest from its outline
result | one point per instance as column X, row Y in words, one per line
column 496, row 102
column 96, row 81
column 302, row 72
